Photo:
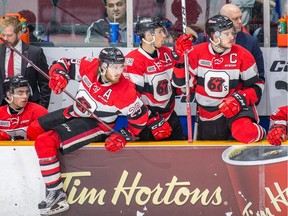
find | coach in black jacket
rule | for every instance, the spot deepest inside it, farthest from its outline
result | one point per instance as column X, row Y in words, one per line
column 39, row 84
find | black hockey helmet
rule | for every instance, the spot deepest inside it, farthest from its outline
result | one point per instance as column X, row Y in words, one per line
column 14, row 82
column 217, row 23
column 147, row 24
column 111, row 55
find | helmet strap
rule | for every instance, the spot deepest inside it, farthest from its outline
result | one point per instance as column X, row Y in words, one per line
column 10, row 101
column 217, row 44
column 151, row 43
column 103, row 70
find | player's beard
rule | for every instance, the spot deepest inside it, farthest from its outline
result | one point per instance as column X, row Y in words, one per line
column 113, row 80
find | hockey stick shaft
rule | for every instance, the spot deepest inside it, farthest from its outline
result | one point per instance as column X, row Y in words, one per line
column 66, row 92
column 187, row 86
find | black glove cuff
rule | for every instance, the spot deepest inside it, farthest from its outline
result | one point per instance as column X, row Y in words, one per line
column 174, row 54
column 180, row 65
column 240, row 98
column 126, row 133
column 63, row 73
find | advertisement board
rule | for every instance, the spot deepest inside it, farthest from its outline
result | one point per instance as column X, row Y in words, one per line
column 153, row 178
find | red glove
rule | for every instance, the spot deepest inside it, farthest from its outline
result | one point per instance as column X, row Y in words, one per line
column 232, row 105
column 58, row 80
column 277, row 134
column 159, row 127
column 4, row 136
column 115, row 142
column 182, row 44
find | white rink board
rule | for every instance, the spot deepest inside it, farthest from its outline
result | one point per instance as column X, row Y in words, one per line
column 22, row 186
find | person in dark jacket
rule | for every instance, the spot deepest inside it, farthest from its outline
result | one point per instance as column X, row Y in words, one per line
column 11, row 32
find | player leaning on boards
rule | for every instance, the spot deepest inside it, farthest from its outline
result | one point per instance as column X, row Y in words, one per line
column 101, row 91
column 150, row 67
column 226, row 83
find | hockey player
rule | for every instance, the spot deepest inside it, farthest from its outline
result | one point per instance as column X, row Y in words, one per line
column 278, row 126
column 101, row 91
column 18, row 114
column 150, row 67
column 225, row 79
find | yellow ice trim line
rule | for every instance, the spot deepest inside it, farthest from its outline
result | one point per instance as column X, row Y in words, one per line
column 151, row 144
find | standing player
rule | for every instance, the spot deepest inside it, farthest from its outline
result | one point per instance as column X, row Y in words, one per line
column 150, row 67
column 101, row 86
column 278, row 126
column 18, row 114
column 226, row 83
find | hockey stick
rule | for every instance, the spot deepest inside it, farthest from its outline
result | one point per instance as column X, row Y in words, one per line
column 207, row 14
column 187, row 86
column 66, row 92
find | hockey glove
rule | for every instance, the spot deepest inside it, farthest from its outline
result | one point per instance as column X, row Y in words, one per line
column 232, row 105
column 115, row 142
column 58, row 80
column 183, row 44
column 127, row 134
column 4, row 136
column 277, row 134
column 159, row 127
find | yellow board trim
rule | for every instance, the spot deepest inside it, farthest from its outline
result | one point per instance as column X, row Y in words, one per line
column 151, row 144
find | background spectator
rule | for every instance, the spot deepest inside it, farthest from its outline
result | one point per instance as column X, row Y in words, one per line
column 99, row 31
column 11, row 32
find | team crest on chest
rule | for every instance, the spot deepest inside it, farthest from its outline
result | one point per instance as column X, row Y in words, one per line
column 216, row 83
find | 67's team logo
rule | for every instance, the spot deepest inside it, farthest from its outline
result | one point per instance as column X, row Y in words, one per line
column 216, row 83
column 85, row 105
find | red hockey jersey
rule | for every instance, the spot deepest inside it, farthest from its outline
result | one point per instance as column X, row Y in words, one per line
column 108, row 100
column 216, row 76
column 16, row 124
column 152, row 77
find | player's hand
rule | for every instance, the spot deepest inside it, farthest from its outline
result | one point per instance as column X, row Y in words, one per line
column 277, row 134
column 4, row 136
column 232, row 105
column 58, row 80
column 115, row 142
column 183, row 44
column 159, row 127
